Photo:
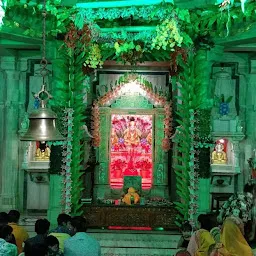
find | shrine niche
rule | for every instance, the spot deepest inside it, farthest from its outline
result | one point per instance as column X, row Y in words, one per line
column 130, row 149
column 131, row 130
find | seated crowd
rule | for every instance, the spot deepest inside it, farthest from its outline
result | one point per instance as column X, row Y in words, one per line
column 69, row 238
column 229, row 234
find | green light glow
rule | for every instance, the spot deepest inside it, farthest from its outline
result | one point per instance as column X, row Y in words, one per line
column 120, row 3
column 159, row 229
column 2, row 11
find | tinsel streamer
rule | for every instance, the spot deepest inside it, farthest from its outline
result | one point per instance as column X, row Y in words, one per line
column 193, row 174
column 148, row 92
column 66, row 167
column 96, row 124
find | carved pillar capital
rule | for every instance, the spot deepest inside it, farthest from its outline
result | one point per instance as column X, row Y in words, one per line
column 8, row 63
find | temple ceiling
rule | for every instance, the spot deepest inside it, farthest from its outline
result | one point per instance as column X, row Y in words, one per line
column 12, row 39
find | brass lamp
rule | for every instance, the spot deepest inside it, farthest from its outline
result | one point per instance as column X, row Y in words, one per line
column 42, row 126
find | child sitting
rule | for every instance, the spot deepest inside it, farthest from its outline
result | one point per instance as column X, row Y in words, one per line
column 53, row 246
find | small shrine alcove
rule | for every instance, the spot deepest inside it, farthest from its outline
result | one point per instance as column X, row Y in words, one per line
column 130, row 128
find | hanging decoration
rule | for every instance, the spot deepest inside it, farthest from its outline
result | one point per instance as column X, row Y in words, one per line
column 193, row 174
column 129, row 52
column 146, row 91
column 94, row 59
column 190, row 100
column 227, row 3
column 66, row 160
column 169, row 36
column 96, row 124
column 203, row 141
column 2, row 11
column 137, row 12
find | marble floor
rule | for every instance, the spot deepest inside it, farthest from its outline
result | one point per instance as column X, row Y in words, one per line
column 136, row 243
column 125, row 242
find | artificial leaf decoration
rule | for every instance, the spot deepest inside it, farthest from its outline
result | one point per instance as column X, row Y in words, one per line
column 193, row 96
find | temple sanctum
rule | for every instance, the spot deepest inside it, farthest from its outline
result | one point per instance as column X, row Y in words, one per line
column 138, row 115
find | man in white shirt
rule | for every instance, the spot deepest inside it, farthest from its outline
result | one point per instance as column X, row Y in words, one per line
column 81, row 244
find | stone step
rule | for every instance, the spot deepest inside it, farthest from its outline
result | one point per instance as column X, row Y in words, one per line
column 137, row 239
column 137, row 252
column 136, row 242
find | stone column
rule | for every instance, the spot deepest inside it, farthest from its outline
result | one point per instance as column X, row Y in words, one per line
column 160, row 159
column 101, row 178
column 236, row 149
column 10, row 139
column 22, row 66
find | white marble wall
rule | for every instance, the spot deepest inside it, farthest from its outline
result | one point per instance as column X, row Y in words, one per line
column 17, row 81
column 11, row 106
column 247, row 103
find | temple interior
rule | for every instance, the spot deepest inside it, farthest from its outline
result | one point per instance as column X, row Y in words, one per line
column 138, row 115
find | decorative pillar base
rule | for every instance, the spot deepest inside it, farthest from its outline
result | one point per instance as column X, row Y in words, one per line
column 7, row 202
column 101, row 191
column 160, row 191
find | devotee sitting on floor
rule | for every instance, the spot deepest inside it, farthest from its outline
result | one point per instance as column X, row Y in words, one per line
column 3, row 218
column 63, row 231
column 6, row 248
column 232, row 237
column 53, row 246
column 20, row 234
column 241, row 205
column 41, row 228
column 186, row 230
column 4, row 221
column 202, row 239
column 35, row 250
column 81, row 244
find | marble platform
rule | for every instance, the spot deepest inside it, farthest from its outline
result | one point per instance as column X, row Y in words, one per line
column 136, row 243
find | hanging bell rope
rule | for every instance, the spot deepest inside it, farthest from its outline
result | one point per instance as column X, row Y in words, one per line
column 42, row 121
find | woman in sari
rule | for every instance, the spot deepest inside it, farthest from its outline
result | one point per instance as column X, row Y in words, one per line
column 202, row 239
column 200, row 242
column 232, row 237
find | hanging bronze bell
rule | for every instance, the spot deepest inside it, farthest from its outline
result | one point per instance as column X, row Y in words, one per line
column 42, row 126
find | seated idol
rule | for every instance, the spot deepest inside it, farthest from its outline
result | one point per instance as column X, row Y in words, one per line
column 219, row 156
column 132, row 134
column 43, row 152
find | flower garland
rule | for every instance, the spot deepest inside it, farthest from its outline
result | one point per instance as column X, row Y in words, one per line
column 148, row 92
column 96, row 124
column 137, row 12
column 193, row 174
column 166, row 145
column 66, row 167
column 145, row 36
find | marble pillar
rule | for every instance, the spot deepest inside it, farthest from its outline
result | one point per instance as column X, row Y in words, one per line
column 9, row 133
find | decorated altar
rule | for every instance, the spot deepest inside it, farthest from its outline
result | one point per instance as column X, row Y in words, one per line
column 148, row 115
column 131, row 130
